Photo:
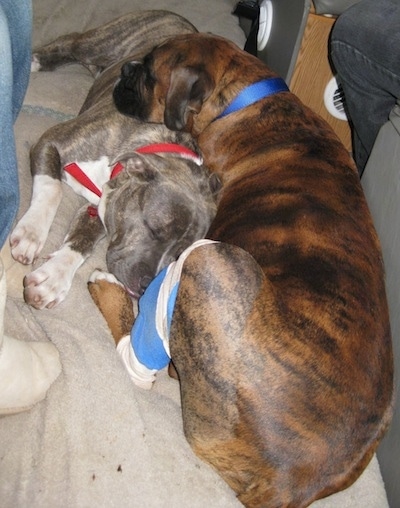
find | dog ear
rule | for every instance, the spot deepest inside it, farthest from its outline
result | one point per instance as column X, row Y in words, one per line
column 136, row 164
column 188, row 89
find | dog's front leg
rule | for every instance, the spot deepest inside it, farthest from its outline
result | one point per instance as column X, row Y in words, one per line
column 113, row 302
column 49, row 284
column 30, row 234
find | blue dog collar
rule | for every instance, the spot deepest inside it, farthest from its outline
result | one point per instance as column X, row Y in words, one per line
column 254, row 93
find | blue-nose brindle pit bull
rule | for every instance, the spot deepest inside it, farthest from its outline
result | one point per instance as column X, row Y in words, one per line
column 153, row 194
column 280, row 333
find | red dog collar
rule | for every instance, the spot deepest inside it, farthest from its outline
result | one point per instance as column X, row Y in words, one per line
column 80, row 176
column 181, row 150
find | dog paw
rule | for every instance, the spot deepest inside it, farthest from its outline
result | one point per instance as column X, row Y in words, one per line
column 30, row 234
column 26, row 242
column 48, row 285
column 42, row 289
column 35, row 63
column 114, row 303
column 98, row 275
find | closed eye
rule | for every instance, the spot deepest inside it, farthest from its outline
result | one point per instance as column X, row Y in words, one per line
column 156, row 233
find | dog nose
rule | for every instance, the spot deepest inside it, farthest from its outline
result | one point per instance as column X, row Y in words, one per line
column 144, row 282
column 127, row 69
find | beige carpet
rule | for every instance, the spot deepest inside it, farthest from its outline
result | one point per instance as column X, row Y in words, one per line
column 97, row 440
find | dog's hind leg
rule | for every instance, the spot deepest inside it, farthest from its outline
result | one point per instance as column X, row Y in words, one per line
column 105, row 45
column 55, row 54
column 49, row 284
column 113, row 302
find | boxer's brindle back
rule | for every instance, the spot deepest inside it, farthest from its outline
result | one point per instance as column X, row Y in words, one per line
column 285, row 361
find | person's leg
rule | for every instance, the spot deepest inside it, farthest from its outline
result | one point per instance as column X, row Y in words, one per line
column 15, row 55
column 27, row 368
column 365, row 52
column 19, row 15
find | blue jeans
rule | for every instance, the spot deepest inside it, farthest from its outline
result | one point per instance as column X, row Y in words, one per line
column 15, row 62
column 365, row 51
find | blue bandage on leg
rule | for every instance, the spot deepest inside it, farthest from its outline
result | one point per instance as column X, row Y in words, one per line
column 146, row 341
column 146, row 349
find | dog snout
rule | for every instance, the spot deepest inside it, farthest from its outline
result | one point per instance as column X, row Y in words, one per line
column 129, row 90
column 135, row 289
column 135, row 275
column 136, row 286
column 128, row 69
column 144, row 282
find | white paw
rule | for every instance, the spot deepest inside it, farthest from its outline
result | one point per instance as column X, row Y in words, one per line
column 100, row 275
column 49, row 284
column 30, row 234
column 43, row 290
column 26, row 241
column 35, row 64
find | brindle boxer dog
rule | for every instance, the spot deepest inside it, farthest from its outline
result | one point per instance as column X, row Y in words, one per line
column 280, row 335
column 161, row 198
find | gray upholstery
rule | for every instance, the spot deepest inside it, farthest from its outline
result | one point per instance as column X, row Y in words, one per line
column 381, row 183
column 288, row 25
column 334, row 7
